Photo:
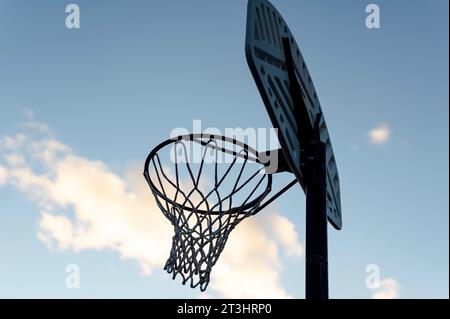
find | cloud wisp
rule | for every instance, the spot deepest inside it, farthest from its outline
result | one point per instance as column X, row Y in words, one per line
column 388, row 289
column 380, row 135
column 85, row 205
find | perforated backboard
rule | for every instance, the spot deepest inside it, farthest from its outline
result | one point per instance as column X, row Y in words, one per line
column 266, row 58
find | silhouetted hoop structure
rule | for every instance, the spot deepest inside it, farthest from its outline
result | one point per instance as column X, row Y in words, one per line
column 204, row 210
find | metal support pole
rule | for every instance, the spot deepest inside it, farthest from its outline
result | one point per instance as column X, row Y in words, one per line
column 316, row 188
column 316, row 227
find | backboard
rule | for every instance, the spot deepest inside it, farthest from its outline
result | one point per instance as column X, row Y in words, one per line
column 267, row 35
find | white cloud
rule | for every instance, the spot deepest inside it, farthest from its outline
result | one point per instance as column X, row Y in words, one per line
column 110, row 213
column 380, row 135
column 250, row 265
column 12, row 142
column 47, row 150
column 389, row 289
column 61, row 230
column 113, row 212
column 14, row 159
column 3, row 175
column 284, row 231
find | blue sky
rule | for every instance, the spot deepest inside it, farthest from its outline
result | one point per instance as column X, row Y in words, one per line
column 117, row 86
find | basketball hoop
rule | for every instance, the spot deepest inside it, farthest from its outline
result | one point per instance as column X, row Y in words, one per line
column 203, row 200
